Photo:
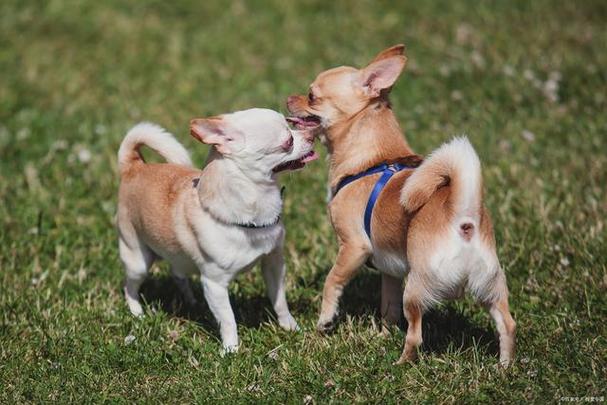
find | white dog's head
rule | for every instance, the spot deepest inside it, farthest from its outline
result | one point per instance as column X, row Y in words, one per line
column 257, row 140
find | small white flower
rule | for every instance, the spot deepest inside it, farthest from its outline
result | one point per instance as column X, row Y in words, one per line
column 528, row 74
column 477, row 59
column 555, row 75
column 59, row 144
column 564, row 261
column 508, row 70
column 505, row 145
column 550, row 90
column 463, row 33
column 308, row 399
column 174, row 335
column 129, row 339
column 100, row 129
column 528, row 135
column 84, row 155
column 23, row 133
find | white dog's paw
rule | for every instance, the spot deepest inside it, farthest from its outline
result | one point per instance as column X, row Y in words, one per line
column 228, row 349
column 288, row 323
column 134, row 306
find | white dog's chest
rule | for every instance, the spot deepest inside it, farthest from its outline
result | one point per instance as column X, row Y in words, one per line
column 231, row 248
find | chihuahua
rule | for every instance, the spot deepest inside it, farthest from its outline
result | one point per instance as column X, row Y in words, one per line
column 219, row 221
column 426, row 219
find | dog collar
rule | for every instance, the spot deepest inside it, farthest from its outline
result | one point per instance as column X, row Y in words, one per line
column 248, row 225
column 387, row 171
column 252, row 225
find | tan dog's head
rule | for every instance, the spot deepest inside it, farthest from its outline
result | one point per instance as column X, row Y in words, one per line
column 258, row 140
column 338, row 94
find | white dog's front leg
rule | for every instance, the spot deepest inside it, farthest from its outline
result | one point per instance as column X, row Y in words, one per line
column 218, row 299
column 273, row 269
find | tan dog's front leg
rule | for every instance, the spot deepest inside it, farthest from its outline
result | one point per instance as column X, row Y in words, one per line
column 391, row 301
column 349, row 259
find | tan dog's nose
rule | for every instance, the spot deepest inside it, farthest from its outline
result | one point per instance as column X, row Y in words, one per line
column 292, row 103
column 310, row 134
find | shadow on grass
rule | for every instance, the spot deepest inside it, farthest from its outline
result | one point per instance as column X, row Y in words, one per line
column 443, row 328
column 162, row 293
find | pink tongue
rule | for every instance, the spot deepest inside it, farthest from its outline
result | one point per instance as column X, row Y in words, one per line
column 302, row 123
column 310, row 157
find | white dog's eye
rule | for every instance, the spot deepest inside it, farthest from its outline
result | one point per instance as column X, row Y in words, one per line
column 288, row 144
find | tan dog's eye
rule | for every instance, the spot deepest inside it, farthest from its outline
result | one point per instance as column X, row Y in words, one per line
column 311, row 97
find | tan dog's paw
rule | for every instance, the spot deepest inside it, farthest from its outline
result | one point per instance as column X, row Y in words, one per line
column 408, row 356
column 326, row 325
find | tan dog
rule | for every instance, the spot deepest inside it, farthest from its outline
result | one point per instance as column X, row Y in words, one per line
column 216, row 222
column 428, row 223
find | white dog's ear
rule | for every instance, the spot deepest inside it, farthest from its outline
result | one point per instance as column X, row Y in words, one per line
column 395, row 50
column 213, row 131
column 381, row 74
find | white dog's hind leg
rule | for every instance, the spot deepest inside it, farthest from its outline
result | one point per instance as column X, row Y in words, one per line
column 273, row 269
column 218, row 299
column 136, row 259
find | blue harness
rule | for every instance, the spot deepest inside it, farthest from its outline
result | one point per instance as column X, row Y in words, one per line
column 387, row 170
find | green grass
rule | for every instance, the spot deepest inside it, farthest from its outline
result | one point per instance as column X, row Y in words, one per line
column 75, row 75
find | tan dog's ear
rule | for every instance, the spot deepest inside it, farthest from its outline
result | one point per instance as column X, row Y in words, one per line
column 212, row 131
column 381, row 75
column 395, row 50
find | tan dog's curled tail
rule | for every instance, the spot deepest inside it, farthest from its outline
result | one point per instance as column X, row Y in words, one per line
column 155, row 138
column 455, row 164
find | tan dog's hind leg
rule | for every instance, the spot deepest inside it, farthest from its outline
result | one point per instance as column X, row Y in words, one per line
column 506, row 328
column 413, row 310
column 349, row 259
column 391, row 301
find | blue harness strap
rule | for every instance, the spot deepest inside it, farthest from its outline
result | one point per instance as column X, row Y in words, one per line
column 387, row 171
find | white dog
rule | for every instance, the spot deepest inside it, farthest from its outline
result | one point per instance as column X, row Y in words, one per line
column 218, row 221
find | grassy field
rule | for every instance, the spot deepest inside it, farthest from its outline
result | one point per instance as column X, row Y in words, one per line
column 525, row 80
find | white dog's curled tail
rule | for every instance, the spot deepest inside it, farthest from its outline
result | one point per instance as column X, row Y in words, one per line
column 155, row 138
column 455, row 164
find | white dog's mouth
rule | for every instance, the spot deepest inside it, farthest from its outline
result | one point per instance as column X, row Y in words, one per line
column 297, row 163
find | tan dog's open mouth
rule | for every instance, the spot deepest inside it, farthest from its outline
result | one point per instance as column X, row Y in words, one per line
column 297, row 163
column 305, row 122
